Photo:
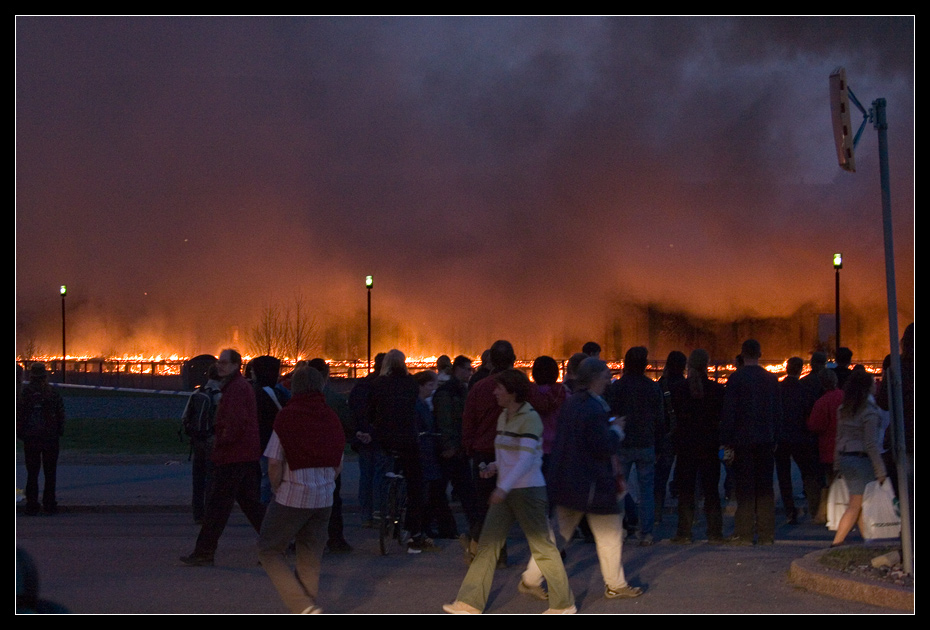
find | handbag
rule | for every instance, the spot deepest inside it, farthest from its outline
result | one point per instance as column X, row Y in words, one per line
column 837, row 502
column 880, row 515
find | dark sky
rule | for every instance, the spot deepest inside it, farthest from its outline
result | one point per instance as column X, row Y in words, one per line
column 500, row 177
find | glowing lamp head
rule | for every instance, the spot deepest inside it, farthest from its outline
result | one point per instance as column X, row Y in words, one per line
column 369, row 281
column 63, row 290
column 837, row 261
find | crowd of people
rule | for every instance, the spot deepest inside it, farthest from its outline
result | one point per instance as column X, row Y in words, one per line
column 555, row 455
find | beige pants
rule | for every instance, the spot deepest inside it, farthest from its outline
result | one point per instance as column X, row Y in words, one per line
column 608, row 539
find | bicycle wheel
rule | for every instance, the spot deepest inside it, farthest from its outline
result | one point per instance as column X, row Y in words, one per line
column 388, row 515
column 384, row 531
column 400, row 534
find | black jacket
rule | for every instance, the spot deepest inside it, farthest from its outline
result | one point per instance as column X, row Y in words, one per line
column 392, row 411
column 639, row 398
column 581, row 474
column 752, row 412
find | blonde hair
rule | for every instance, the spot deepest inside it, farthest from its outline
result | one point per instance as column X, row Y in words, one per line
column 394, row 362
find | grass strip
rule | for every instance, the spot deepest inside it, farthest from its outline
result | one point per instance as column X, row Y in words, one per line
column 122, row 437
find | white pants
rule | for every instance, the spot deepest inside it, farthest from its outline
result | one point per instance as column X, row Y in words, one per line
column 608, row 539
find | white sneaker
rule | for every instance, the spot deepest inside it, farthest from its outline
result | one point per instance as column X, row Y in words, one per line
column 421, row 543
column 460, row 608
column 571, row 610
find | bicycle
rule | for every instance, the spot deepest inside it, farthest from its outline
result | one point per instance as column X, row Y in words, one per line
column 394, row 506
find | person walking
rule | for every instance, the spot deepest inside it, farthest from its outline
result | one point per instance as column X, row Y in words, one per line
column 304, row 458
column 858, row 455
column 479, row 429
column 582, row 480
column 235, row 455
column 519, row 496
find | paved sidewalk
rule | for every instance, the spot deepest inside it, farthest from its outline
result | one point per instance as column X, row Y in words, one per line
column 124, row 523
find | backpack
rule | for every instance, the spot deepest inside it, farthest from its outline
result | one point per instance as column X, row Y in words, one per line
column 39, row 416
column 199, row 414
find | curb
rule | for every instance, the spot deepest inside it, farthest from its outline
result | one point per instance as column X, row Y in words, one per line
column 111, row 509
column 809, row 573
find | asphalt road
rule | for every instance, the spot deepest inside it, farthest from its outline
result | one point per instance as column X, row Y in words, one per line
column 125, row 521
column 127, row 562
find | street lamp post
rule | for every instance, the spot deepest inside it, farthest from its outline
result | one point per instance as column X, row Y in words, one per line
column 64, row 291
column 369, row 282
column 837, row 265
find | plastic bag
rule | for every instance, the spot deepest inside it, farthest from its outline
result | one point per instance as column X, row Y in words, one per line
column 880, row 515
column 837, row 502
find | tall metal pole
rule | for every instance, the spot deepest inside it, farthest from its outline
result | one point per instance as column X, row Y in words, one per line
column 64, row 292
column 837, row 265
column 369, row 282
column 837, row 317
column 894, row 391
column 369, row 330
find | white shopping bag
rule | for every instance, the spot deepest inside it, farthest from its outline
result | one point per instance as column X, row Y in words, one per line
column 837, row 502
column 880, row 515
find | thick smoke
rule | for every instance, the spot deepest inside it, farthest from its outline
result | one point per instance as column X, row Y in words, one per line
column 512, row 178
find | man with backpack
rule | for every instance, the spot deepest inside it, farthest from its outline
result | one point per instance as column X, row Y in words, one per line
column 40, row 423
column 198, row 424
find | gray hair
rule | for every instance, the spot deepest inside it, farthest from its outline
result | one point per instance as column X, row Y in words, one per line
column 306, row 379
column 588, row 370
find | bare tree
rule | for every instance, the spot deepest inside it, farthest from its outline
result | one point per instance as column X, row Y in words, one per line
column 290, row 331
column 269, row 335
column 304, row 334
column 30, row 350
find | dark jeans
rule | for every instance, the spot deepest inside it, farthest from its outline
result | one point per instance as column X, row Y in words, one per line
column 691, row 468
column 372, row 466
column 483, row 490
column 437, row 512
column 753, row 471
column 41, row 455
column 201, row 475
column 232, row 483
column 806, row 457
column 665, row 460
column 335, row 517
column 644, row 458
column 457, row 472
